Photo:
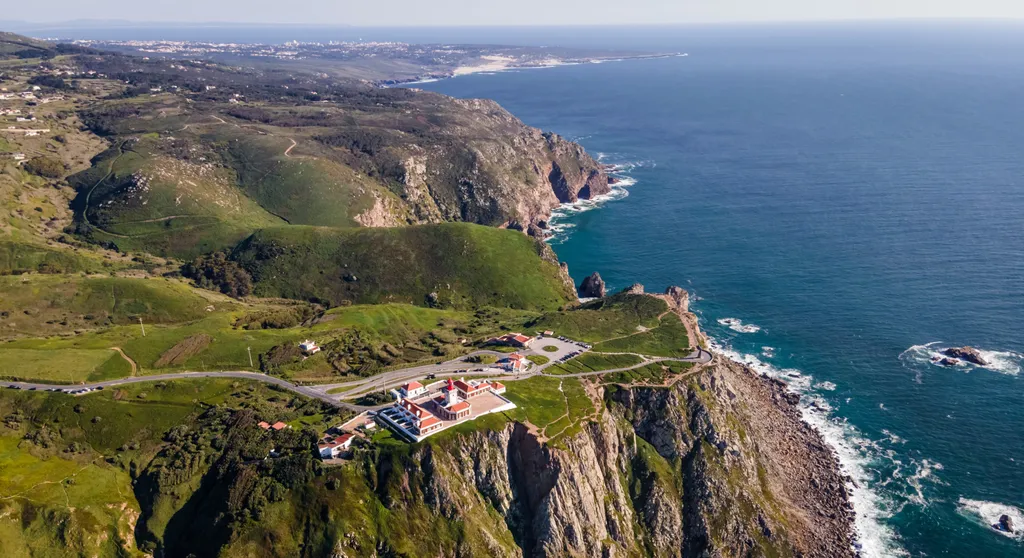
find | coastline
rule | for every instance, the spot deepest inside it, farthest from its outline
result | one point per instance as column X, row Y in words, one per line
column 868, row 535
column 497, row 64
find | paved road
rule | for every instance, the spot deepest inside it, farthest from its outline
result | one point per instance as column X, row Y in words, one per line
column 380, row 382
column 303, row 390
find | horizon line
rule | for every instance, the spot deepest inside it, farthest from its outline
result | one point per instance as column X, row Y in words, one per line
column 100, row 23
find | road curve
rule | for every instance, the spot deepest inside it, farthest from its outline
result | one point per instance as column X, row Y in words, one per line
column 379, row 382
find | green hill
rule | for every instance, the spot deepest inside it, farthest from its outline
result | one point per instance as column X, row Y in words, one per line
column 464, row 265
column 13, row 45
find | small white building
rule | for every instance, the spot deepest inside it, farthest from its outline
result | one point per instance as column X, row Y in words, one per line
column 332, row 448
column 19, row 156
column 309, row 347
column 412, row 389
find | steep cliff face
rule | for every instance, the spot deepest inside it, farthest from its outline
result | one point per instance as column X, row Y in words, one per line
column 486, row 166
column 717, row 465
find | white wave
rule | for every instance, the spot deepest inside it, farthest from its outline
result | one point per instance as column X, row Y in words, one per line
column 857, row 456
column 1004, row 362
column 417, row 82
column 924, row 470
column 768, row 352
column 736, row 324
column 826, row 386
column 988, row 513
column 558, row 230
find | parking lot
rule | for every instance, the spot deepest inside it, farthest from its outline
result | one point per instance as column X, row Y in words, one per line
column 565, row 347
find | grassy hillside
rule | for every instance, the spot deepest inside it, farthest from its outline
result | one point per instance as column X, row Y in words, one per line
column 463, row 265
column 615, row 316
column 41, row 305
column 165, row 196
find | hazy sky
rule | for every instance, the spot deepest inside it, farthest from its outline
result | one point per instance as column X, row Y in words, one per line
column 503, row 12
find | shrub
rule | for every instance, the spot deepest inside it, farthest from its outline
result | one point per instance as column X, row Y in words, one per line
column 47, row 167
column 217, row 273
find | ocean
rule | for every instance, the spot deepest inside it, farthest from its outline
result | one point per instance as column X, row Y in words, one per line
column 841, row 201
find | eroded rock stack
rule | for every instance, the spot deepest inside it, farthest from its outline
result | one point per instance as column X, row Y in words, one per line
column 593, row 286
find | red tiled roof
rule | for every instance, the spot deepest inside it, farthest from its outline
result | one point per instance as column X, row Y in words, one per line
column 521, row 338
column 264, row 425
column 412, row 385
column 344, row 438
column 459, row 407
column 279, row 425
column 429, row 421
column 466, row 387
column 497, row 385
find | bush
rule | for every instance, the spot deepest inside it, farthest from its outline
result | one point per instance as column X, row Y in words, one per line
column 217, row 273
column 47, row 167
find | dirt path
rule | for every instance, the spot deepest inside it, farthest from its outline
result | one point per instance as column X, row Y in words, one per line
column 135, row 368
column 288, row 152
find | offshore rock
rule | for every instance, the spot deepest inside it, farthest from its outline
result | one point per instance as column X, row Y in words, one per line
column 1005, row 523
column 967, row 354
column 593, row 287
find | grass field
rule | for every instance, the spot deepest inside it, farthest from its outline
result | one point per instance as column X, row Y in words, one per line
column 40, row 305
column 592, row 362
column 669, row 339
column 652, row 373
column 449, row 265
column 21, row 257
column 616, row 316
column 65, row 366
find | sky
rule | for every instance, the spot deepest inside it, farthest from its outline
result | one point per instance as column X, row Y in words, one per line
column 502, row 12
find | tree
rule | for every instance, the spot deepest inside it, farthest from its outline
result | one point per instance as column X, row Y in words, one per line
column 47, row 167
column 217, row 273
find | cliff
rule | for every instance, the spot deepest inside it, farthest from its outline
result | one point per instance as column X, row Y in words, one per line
column 718, row 464
column 192, row 172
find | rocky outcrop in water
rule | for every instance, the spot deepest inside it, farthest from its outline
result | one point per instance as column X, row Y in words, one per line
column 966, row 354
column 1005, row 524
column 593, row 286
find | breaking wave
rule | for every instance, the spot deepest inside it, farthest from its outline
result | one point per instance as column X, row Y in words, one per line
column 559, row 229
column 737, row 325
column 1004, row 362
column 988, row 513
column 860, row 458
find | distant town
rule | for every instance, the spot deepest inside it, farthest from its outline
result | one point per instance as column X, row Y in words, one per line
column 381, row 62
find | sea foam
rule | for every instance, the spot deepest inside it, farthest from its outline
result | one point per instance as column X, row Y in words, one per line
column 1004, row 362
column 857, row 454
column 988, row 513
column 737, row 325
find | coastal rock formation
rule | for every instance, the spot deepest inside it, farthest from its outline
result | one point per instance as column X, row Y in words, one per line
column 1005, row 523
column 593, row 286
column 678, row 298
column 966, row 354
column 635, row 288
column 718, row 464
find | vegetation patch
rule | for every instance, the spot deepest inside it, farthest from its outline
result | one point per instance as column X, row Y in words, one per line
column 186, row 349
column 593, row 362
column 551, row 348
column 454, row 265
column 607, row 318
column 539, row 360
column 669, row 339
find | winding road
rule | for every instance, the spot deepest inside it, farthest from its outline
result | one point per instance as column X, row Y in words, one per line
column 380, row 382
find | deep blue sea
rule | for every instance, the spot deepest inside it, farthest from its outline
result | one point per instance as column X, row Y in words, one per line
column 846, row 194
column 842, row 201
